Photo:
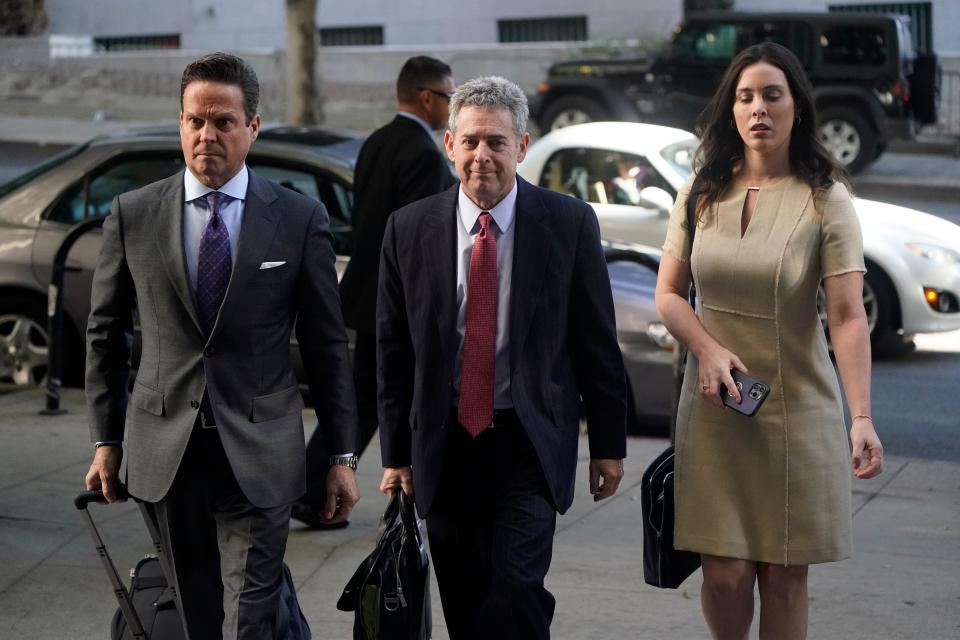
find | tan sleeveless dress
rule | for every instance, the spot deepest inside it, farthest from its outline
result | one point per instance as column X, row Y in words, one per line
column 774, row 487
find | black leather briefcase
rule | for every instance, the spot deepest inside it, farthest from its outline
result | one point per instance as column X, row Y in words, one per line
column 663, row 566
column 390, row 591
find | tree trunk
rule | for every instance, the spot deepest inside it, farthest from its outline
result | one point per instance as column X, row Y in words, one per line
column 301, row 62
column 22, row 17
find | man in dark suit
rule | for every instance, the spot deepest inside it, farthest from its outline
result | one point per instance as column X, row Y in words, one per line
column 220, row 263
column 494, row 320
column 398, row 164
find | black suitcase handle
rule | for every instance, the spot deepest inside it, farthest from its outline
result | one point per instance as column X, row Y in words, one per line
column 96, row 496
column 81, row 502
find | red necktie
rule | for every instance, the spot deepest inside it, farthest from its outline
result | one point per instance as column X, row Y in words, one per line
column 480, row 338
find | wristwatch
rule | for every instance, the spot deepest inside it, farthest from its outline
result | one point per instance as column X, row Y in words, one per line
column 345, row 461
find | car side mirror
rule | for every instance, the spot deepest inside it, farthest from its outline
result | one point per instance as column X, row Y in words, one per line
column 656, row 198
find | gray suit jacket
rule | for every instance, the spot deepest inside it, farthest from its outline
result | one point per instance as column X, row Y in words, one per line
column 244, row 363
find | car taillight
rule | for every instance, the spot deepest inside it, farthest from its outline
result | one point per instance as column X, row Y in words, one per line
column 543, row 87
column 900, row 89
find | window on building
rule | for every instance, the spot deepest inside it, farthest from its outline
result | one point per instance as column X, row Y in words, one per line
column 543, row 29
column 852, row 45
column 136, row 43
column 351, row 36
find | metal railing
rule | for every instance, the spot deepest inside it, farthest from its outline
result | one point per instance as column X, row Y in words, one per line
column 55, row 315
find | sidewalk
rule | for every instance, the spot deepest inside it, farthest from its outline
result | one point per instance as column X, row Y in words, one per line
column 903, row 582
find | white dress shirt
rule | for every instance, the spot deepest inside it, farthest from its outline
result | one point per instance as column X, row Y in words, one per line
column 468, row 226
column 196, row 216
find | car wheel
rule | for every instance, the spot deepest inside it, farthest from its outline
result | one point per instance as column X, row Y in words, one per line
column 571, row 110
column 24, row 343
column 848, row 137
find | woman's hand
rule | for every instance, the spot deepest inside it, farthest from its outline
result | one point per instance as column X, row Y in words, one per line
column 867, row 460
column 715, row 365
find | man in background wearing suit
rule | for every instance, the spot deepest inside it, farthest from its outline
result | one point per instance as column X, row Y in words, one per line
column 398, row 164
column 494, row 320
column 220, row 263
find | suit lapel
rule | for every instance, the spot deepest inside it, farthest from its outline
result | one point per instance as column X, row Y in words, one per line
column 170, row 243
column 439, row 246
column 256, row 233
column 531, row 253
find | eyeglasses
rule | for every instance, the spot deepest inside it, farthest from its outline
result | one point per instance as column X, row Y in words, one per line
column 443, row 94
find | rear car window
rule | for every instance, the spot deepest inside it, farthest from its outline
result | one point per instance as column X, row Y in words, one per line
column 854, row 46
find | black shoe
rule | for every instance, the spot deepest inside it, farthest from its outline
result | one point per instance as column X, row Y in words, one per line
column 311, row 517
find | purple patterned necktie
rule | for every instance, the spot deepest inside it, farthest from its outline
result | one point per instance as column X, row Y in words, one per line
column 214, row 264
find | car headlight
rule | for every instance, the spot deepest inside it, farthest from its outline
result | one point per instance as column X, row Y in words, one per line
column 659, row 335
column 934, row 253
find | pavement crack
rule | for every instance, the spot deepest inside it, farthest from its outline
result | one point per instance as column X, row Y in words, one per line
column 876, row 493
column 44, row 475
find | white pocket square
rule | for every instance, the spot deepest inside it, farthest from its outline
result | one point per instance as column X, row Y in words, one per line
column 271, row 265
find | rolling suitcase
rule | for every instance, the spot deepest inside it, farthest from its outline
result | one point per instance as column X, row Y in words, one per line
column 147, row 610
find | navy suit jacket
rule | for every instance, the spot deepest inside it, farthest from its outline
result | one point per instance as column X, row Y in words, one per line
column 563, row 342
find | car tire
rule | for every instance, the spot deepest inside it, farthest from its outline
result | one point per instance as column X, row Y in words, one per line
column 848, row 137
column 885, row 337
column 571, row 110
column 24, row 342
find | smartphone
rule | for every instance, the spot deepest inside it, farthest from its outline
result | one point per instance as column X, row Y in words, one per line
column 752, row 393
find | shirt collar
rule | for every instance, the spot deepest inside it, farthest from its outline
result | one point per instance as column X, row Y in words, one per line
column 502, row 213
column 418, row 120
column 235, row 187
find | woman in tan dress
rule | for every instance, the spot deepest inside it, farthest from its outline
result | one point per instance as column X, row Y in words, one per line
column 762, row 497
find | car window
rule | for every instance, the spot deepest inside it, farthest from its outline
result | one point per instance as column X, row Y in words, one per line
column 680, row 156
column 335, row 196
column 792, row 35
column 853, row 45
column 92, row 196
column 601, row 176
column 718, row 42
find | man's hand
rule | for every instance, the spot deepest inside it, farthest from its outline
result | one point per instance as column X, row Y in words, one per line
column 104, row 472
column 400, row 477
column 342, row 494
column 610, row 471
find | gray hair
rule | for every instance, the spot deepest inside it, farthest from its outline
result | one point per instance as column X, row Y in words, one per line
column 491, row 92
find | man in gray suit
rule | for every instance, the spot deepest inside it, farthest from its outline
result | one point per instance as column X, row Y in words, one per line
column 220, row 263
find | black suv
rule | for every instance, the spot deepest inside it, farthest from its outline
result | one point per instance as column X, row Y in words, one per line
column 869, row 84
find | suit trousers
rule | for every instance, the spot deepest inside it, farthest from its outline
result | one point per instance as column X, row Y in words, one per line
column 227, row 554
column 318, row 447
column 491, row 535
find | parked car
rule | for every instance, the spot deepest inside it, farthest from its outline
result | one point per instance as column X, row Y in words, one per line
column 870, row 84
column 647, row 347
column 631, row 173
column 37, row 209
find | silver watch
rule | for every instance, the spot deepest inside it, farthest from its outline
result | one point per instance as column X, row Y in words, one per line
column 345, row 461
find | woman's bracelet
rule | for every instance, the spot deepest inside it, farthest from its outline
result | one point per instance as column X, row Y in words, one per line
column 862, row 415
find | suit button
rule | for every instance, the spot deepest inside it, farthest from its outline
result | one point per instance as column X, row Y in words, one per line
column 194, row 404
column 208, row 351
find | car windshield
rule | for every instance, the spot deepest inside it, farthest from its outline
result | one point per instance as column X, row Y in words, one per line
column 680, row 156
column 40, row 169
